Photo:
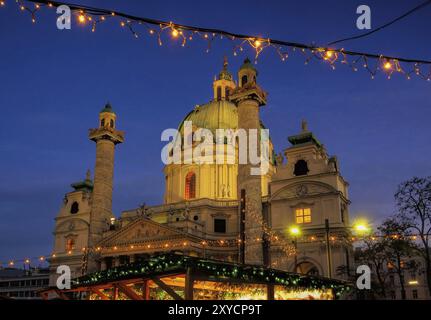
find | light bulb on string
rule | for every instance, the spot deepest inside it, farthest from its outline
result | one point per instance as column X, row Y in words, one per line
column 387, row 65
column 81, row 18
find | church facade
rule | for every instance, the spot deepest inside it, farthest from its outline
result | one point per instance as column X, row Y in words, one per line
column 295, row 217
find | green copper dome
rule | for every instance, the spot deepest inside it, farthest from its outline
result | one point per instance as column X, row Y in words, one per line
column 214, row 115
column 107, row 108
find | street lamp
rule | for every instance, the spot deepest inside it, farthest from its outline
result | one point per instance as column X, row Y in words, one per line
column 295, row 232
column 361, row 227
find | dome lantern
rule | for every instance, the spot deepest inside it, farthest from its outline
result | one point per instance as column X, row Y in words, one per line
column 107, row 117
column 223, row 84
column 247, row 73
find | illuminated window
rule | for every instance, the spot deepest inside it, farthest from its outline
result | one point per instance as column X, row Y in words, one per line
column 70, row 244
column 303, row 215
column 190, row 187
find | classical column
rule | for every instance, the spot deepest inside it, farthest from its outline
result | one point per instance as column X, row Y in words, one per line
column 249, row 97
column 106, row 137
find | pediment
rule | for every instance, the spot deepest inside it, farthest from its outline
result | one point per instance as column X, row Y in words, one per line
column 303, row 189
column 141, row 230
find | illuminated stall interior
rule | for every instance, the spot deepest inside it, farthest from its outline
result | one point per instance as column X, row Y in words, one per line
column 177, row 277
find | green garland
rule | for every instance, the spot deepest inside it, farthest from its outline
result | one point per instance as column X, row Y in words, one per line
column 215, row 271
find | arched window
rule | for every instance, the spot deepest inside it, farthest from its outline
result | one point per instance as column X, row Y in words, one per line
column 307, row 268
column 218, row 93
column 243, row 80
column 70, row 244
column 112, row 123
column 74, row 208
column 301, row 168
column 102, row 123
column 226, row 92
column 190, row 186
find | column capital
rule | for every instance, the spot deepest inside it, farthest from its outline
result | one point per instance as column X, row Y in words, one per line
column 106, row 133
column 249, row 92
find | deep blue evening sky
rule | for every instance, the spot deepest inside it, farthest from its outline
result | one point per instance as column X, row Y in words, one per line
column 53, row 84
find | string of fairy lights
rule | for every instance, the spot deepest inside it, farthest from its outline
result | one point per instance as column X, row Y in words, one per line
column 162, row 30
column 282, row 242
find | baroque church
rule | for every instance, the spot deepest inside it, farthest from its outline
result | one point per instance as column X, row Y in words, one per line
column 293, row 218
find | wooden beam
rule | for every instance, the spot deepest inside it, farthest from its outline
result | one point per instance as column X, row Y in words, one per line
column 44, row 295
column 146, row 290
column 129, row 292
column 115, row 294
column 165, row 287
column 270, row 292
column 61, row 295
column 100, row 294
column 188, row 289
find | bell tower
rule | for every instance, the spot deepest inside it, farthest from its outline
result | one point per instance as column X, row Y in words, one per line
column 249, row 97
column 106, row 137
column 223, row 84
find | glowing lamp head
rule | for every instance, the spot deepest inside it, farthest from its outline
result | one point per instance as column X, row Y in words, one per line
column 257, row 43
column 295, row 231
column 2, row 3
column 387, row 65
column 329, row 54
column 361, row 227
column 175, row 33
column 81, row 18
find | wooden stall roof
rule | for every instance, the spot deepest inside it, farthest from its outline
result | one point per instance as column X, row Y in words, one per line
column 209, row 270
